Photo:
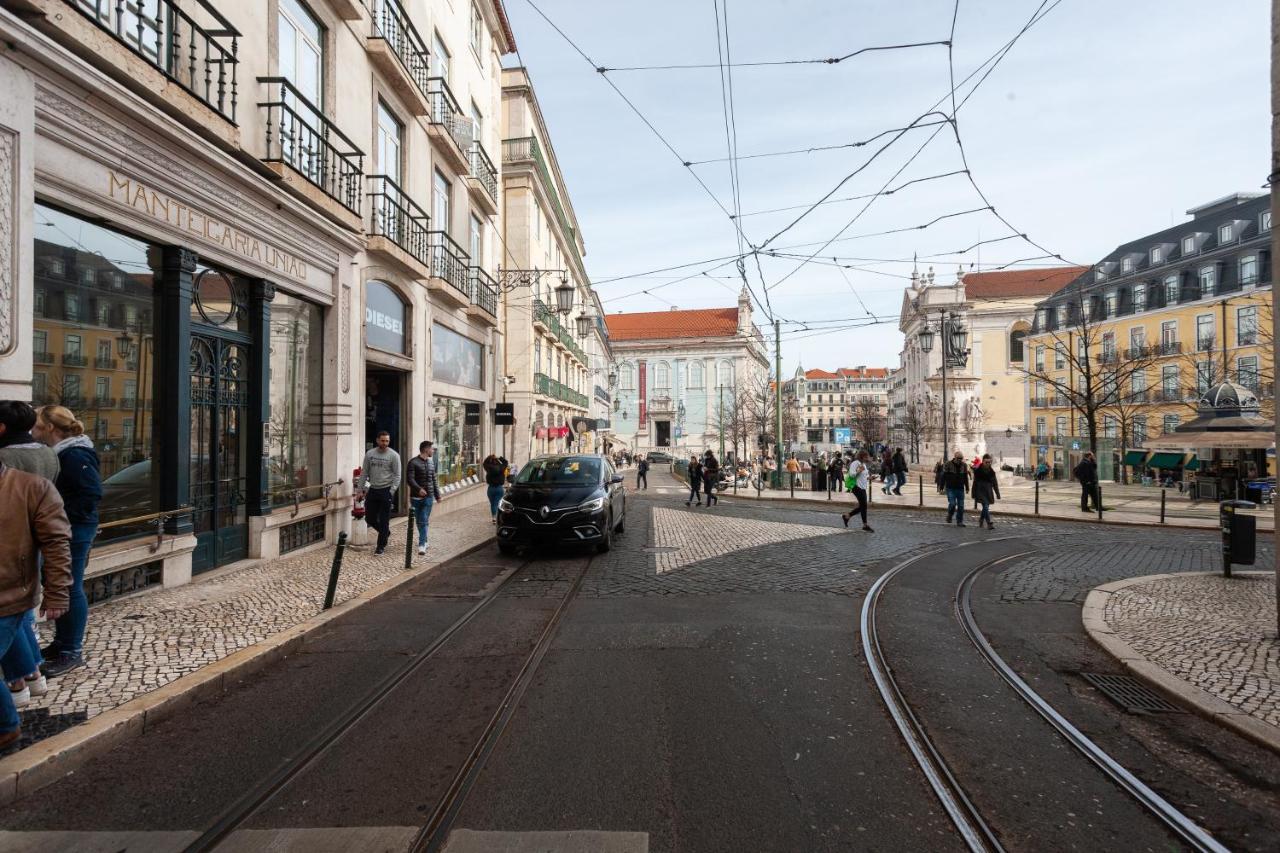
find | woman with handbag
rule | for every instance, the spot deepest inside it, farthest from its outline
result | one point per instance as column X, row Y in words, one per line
column 986, row 489
column 859, row 481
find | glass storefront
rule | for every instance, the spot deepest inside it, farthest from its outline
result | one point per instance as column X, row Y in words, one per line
column 296, row 392
column 456, row 438
column 94, row 351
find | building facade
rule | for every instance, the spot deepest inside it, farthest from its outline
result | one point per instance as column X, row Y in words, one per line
column 985, row 403
column 682, row 376
column 246, row 237
column 835, row 409
column 1148, row 330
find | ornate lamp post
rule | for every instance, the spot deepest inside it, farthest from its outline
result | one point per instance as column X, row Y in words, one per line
column 954, row 354
column 564, row 296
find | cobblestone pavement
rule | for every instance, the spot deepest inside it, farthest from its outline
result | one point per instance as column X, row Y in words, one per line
column 137, row 644
column 1214, row 632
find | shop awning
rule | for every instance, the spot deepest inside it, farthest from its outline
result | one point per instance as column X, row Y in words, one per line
column 1227, row 440
column 1165, row 461
column 1193, row 464
column 1135, row 457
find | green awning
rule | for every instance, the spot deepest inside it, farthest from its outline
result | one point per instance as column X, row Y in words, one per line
column 1193, row 465
column 1165, row 461
column 1135, row 457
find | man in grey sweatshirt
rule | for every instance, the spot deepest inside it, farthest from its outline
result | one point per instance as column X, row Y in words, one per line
column 379, row 479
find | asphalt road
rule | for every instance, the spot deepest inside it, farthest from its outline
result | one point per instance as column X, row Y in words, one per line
column 704, row 692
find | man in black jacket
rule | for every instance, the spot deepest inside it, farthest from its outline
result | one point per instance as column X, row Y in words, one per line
column 1087, row 473
column 899, row 470
column 955, row 478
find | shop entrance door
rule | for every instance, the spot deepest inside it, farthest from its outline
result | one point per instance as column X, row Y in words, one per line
column 663, row 429
column 384, row 410
column 219, row 450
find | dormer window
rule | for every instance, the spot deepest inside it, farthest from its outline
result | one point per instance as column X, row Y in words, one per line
column 1226, row 234
column 1188, row 245
column 1264, row 221
column 1099, row 275
column 1126, row 265
column 1157, row 255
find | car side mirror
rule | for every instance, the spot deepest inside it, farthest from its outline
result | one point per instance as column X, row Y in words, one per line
column 615, row 479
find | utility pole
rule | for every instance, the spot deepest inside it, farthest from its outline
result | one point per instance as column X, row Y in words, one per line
column 777, row 386
column 946, row 441
column 1226, row 374
column 1275, row 201
column 720, row 420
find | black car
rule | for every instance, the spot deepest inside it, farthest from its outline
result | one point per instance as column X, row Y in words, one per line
column 562, row 500
column 657, row 457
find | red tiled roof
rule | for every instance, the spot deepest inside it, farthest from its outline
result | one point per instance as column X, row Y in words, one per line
column 820, row 374
column 659, row 325
column 865, row 373
column 1026, row 282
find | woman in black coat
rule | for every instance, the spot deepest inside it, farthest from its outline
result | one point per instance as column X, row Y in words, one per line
column 986, row 489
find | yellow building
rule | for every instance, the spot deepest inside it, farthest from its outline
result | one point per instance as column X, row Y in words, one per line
column 1140, row 336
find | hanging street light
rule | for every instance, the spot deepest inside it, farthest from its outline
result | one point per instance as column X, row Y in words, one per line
column 584, row 324
column 926, row 340
column 564, row 296
column 959, row 335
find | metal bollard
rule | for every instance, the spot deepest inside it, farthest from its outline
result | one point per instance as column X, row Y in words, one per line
column 333, row 572
column 828, row 486
column 1037, row 497
column 792, row 478
column 408, row 540
column 1162, row 494
column 920, row 477
column 1098, row 494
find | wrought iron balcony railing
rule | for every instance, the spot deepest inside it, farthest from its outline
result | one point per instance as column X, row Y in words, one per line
column 301, row 137
column 1039, row 402
column 392, row 25
column 1170, row 347
column 448, row 261
column 549, row 387
column 446, row 113
column 43, row 357
column 522, row 148
column 483, row 170
column 104, row 402
column 484, row 291
column 199, row 56
column 74, row 360
column 104, row 363
column 398, row 218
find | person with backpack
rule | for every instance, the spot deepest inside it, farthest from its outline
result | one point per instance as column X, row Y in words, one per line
column 1087, row 473
column 986, row 489
column 955, row 477
column 710, row 476
column 695, row 482
column 642, row 473
column 899, row 471
column 836, row 472
column 859, row 481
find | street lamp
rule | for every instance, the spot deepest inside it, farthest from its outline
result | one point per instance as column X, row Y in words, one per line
column 584, row 324
column 1008, row 432
column 954, row 337
column 564, row 296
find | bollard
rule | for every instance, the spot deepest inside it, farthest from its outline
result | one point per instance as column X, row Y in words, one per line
column 1162, row 494
column 1097, row 491
column 1037, row 497
column 920, row 477
column 333, row 572
column 792, row 478
column 828, row 486
column 408, row 539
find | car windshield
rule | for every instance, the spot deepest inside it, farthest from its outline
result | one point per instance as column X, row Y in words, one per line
column 561, row 471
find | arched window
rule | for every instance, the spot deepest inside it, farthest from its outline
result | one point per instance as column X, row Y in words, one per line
column 1017, row 349
column 724, row 374
column 695, row 374
column 662, row 376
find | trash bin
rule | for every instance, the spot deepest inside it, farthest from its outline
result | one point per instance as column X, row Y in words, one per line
column 1253, row 492
column 1239, row 535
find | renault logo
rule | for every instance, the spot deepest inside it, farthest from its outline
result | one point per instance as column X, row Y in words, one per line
column 543, row 512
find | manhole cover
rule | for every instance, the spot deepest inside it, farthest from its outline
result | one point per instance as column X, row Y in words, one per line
column 661, row 549
column 1131, row 694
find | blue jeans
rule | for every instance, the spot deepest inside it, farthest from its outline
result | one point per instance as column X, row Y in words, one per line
column 495, row 494
column 69, row 634
column 985, row 515
column 421, row 515
column 955, row 503
column 11, row 630
column 21, row 656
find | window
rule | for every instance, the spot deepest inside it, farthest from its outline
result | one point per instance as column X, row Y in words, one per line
column 1209, row 280
column 1109, row 303
column 457, row 443
column 1171, row 423
column 1139, row 297
column 628, row 379
column 1168, row 335
column 1110, row 426
column 101, row 388
column 88, row 276
column 1188, row 245
column 1157, row 255
column 1138, row 383
column 1169, row 381
column 1061, row 425
column 300, row 39
column 1204, row 376
column 1139, row 430
column 1247, row 325
column 1082, row 351
column 1204, row 332
column 130, row 393
column 442, row 57
column 1059, row 355
column 1042, row 320
column 103, row 359
column 441, row 202
column 1249, row 269
column 662, row 376
column 71, row 347
column 725, row 377
column 477, row 29
column 1137, row 339
column 1172, row 285
column 390, row 134
column 1225, row 234
column 40, row 343
column 1082, row 425
column 1040, row 427
column 1126, row 265
column 103, row 313
column 70, row 396
column 1039, row 358
column 72, row 303
column 696, row 374
column 475, row 244
column 1264, row 221
column 1062, row 316
column 1099, row 275
column 1247, row 371
column 1109, row 346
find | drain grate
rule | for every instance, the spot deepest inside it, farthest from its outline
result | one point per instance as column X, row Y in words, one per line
column 1131, row 694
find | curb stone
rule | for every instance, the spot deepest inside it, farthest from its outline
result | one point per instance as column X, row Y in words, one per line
column 46, row 761
column 1200, row 701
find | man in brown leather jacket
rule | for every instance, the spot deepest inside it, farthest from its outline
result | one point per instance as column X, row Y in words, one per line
column 32, row 522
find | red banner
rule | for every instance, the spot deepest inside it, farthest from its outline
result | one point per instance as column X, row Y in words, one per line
column 644, row 386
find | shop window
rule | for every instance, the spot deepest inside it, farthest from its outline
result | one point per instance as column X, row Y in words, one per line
column 296, row 390
column 456, row 359
column 384, row 318
column 457, row 441
column 122, row 433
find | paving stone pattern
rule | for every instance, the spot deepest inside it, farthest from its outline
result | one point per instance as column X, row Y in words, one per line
column 137, row 644
column 1216, row 633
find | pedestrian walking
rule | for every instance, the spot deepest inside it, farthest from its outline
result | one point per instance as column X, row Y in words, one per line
column 886, row 471
column 695, row 481
column 793, row 470
column 33, row 524
column 836, row 473
column 937, row 474
column 710, row 477
column 379, row 480
column 424, row 492
column 495, row 478
column 986, row 489
column 642, row 473
column 79, row 484
column 819, row 473
column 899, row 465
column 1087, row 473
column 955, row 477
column 859, row 482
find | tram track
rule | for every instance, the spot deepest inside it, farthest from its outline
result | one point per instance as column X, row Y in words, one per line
column 975, row 830
column 432, row 834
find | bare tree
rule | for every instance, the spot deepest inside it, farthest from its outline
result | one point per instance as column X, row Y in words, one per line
column 913, row 424
column 868, row 421
column 1122, row 405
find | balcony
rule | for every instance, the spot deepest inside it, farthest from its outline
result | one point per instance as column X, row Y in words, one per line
column 1170, row 348
column 547, row 320
column 448, row 264
column 1109, row 357
column 483, row 180
column 548, row 387
column 43, row 357
column 398, row 226
column 399, row 53
column 525, row 149
column 1169, row 395
column 1143, row 351
column 74, row 360
column 1039, row 402
column 104, row 363
column 484, row 294
column 104, row 402
column 189, row 45
column 301, row 138
column 450, row 128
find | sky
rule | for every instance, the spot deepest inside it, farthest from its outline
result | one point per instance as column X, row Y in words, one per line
column 1105, row 121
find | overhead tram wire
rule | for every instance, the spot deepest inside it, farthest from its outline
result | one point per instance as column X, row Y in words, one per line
column 901, row 186
column 834, row 60
column 730, row 135
column 862, row 143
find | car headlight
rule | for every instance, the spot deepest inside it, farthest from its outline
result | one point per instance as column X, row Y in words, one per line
column 505, row 505
column 594, row 505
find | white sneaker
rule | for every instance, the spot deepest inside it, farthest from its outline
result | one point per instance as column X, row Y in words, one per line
column 38, row 686
column 422, row 549
column 21, row 698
